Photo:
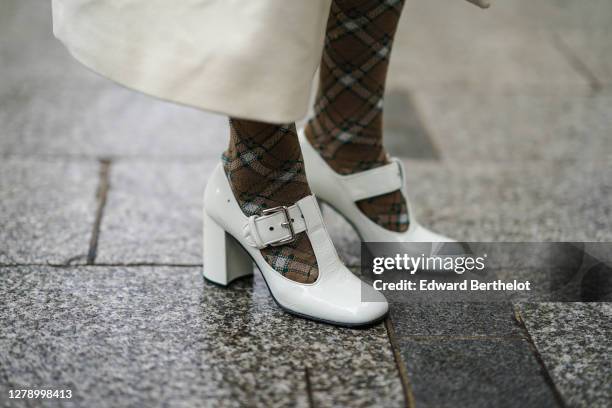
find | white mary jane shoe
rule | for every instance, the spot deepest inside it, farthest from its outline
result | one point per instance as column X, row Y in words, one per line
column 232, row 242
column 343, row 191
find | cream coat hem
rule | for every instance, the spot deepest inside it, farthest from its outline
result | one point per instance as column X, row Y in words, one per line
column 252, row 60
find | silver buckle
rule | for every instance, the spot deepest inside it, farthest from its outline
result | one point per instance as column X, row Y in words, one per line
column 286, row 224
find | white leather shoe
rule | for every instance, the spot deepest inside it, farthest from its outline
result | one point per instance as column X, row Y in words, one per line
column 343, row 191
column 232, row 242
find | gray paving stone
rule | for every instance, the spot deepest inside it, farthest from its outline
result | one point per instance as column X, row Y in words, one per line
column 475, row 373
column 513, row 38
column 472, row 49
column 28, row 49
column 454, row 320
column 593, row 48
column 47, row 210
column 405, row 133
column 98, row 118
column 481, row 126
column 574, row 340
column 563, row 15
column 159, row 336
column 510, row 46
column 513, row 202
column 154, row 213
column 521, row 14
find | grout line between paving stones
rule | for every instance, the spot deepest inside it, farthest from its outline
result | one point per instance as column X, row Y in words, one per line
column 455, row 338
column 308, row 387
column 201, row 159
column 578, row 64
column 409, row 400
column 141, row 264
column 112, row 158
column 101, row 196
column 103, row 265
column 545, row 373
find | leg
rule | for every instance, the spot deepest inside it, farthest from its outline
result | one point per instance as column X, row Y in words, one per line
column 347, row 126
column 265, row 168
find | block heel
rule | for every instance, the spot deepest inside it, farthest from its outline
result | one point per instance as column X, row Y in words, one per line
column 225, row 260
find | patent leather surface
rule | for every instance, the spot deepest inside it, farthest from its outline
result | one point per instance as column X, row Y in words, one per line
column 339, row 191
column 335, row 297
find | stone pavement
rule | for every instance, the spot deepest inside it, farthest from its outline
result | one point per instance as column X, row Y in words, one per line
column 504, row 119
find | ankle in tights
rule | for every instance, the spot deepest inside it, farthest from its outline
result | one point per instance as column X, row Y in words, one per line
column 265, row 169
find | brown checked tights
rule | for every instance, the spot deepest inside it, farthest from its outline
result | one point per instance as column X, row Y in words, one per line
column 347, row 126
column 263, row 161
column 265, row 168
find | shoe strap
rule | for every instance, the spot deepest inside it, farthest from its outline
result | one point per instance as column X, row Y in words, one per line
column 322, row 245
column 377, row 181
column 307, row 217
column 264, row 230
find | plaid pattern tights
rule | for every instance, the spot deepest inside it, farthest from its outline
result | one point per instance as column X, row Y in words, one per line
column 347, row 126
column 264, row 163
column 265, row 168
